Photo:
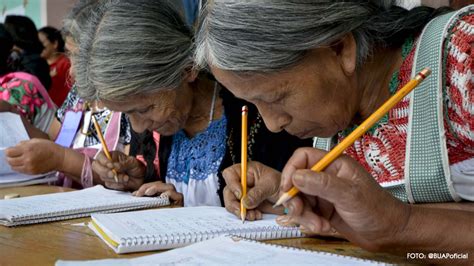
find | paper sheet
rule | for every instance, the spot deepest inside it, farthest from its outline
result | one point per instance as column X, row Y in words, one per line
column 228, row 250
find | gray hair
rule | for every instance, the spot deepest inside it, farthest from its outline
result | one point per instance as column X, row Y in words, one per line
column 132, row 47
column 265, row 36
column 76, row 19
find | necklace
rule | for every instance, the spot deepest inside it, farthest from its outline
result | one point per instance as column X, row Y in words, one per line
column 213, row 104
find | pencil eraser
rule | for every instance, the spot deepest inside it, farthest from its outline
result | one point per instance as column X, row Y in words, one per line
column 11, row 196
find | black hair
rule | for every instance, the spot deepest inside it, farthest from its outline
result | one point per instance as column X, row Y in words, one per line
column 54, row 35
column 144, row 144
column 6, row 44
column 24, row 33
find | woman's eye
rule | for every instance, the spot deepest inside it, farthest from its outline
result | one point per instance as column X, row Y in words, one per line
column 144, row 111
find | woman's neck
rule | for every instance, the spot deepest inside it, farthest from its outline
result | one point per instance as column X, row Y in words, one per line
column 53, row 58
column 374, row 80
column 203, row 93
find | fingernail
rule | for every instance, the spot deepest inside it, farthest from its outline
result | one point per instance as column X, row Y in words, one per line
column 291, row 209
column 283, row 220
column 237, row 194
column 303, row 229
column 299, row 180
column 134, row 193
column 247, row 201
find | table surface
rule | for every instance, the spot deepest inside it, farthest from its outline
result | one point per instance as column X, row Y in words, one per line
column 43, row 244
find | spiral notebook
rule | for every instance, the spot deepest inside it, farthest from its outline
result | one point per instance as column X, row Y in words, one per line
column 231, row 250
column 170, row 228
column 70, row 205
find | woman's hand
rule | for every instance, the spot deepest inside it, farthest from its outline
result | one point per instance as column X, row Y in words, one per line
column 262, row 190
column 36, row 156
column 158, row 187
column 130, row 171
column 344, row 197
column 7, row 107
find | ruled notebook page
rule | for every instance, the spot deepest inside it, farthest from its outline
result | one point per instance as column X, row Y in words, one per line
column 169, row 228
column 61, row 205
column 226, row 250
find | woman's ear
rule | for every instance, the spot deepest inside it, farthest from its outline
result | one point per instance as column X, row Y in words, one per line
column 56, row 44
column 190, row 74
column 346, row 51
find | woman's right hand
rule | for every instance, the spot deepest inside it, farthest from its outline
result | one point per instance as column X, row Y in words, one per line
column 159, row 188
column 130, row 171
column 262, row 190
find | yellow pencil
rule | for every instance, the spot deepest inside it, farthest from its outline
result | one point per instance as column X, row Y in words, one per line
column 360, row 130
column 243, row 162
column 104, row 145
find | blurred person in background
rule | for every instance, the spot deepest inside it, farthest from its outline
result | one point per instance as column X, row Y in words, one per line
column 59, row 64
column 27, row 49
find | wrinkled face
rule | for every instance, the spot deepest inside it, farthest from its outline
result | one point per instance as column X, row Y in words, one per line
column 49, row 47
column 314, row 98
column 165, row 112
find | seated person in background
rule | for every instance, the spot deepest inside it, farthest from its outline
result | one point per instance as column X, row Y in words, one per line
column 23, row 93
column 59, row 64
column 74, row 163
column 27, row 49
column 146, row 71
column 323, row 77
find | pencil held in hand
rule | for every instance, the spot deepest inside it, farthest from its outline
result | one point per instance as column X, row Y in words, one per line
column 243, row 162
column 360, row 130
column 104, row 145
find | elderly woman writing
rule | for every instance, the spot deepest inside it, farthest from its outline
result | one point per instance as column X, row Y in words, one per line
column 320, row 68
column 145, row 70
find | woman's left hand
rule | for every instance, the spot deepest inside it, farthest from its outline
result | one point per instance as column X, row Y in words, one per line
column 158, row 187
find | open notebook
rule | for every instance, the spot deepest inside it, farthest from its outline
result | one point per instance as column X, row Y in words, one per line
column 70, row 205
column 171, row 228
column 230, row 250
column 12, row 132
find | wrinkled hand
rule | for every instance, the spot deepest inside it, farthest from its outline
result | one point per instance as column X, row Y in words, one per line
column 130, row 171
column 262, row 190
column 345, row 197
column 158, row 187
column 35, row 156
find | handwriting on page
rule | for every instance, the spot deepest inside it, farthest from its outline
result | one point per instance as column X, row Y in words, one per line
column 83, row 199
column 177, row 221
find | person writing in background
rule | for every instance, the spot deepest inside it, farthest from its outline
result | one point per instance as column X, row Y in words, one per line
column 73, row 160
column 59, row 64
column 321, row 68
column 146, row 71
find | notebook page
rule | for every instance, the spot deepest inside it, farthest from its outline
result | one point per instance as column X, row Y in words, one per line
column 81, row 201
column 227, row 250
column 186, row 220
column 12, row 132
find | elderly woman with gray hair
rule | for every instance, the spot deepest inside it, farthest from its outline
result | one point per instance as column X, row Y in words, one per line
column 320, row 68
column 136, row 57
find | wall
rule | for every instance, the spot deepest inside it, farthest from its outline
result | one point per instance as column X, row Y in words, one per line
column 32, row 8
column 56, row 10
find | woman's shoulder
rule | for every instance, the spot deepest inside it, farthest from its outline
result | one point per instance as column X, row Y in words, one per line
column 459, row 69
